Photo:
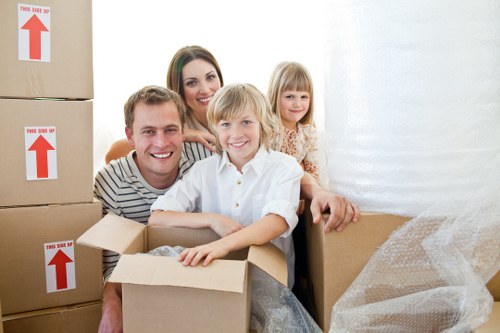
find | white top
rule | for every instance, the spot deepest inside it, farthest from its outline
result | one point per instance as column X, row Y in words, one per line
column 269, row 183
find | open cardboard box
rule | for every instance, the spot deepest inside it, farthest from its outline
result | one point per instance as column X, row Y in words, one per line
column 159, row 293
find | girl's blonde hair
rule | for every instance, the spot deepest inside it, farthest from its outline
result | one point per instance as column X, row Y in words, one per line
column 290, row 76
column 231, row 100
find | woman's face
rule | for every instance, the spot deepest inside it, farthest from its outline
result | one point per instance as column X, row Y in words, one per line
column 200, row 82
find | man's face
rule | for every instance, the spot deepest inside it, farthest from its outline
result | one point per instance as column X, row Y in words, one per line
column 157, row 138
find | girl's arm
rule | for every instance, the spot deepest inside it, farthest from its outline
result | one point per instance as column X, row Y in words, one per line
column 311, row 159
column 262, row 231
column 221, row 224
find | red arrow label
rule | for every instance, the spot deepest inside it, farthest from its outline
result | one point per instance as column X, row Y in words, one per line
column 60, row 260
column 41, row 146
column 35, row 27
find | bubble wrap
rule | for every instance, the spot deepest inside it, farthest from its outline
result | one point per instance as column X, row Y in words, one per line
column 412, row 90
column 274, row 307
column 430, row 275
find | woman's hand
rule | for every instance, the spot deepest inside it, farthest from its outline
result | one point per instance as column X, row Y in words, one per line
column 205, row 138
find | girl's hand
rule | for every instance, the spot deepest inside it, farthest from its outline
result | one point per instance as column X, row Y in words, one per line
column 223, row 225
column 205, row 138
column 210, row 251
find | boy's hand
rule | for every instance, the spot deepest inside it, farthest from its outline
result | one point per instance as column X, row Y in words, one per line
column 224, row 225
column 210, row 251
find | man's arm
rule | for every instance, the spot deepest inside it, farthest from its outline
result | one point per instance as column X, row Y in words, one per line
column 111, row 321
column 342, row 211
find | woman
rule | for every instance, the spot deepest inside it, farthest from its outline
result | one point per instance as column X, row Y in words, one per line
column 195, row 75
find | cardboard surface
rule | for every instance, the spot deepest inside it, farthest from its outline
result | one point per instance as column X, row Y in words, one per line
column 69, row 73
column 159, row 293
column 1, row 321
column 494, row 287
column 493, row 324
column 78, row 318
column 24, row 235
column 73, row 124
column 335, row 259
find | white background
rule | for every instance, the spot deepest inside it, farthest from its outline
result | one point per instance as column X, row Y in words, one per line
column 135, row 40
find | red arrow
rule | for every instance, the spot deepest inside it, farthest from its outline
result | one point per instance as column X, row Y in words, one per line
column 35, row 26
column 41, row 146
column 60, row 260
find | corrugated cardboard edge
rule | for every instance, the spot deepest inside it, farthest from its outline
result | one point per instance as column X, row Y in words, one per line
column 493, row 323
column 49, row 311
column 270, row 259
column 115, row 233
column 143, row 269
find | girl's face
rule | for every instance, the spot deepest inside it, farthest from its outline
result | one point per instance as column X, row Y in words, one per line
column 200, row 82
column 240, row 137
column 294, row 106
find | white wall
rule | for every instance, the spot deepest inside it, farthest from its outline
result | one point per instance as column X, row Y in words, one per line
column 135, row 40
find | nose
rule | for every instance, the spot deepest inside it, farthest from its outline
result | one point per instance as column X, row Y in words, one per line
column 161, row 140
column 204, row 87
column 236, row 132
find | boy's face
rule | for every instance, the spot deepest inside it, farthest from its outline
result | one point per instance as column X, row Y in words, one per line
column 156, row 136
column 240, row 137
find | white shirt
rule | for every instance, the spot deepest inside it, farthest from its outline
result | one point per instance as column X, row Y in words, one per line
column 269, row 183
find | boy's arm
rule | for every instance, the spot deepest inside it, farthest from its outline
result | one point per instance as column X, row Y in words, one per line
column 221, row 224
column 342, row 211
column 262, row 231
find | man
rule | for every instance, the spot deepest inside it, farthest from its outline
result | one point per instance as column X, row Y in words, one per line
column 129, row 185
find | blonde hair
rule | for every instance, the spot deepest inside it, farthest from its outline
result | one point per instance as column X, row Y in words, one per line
column 290, row 76
column 230, row 101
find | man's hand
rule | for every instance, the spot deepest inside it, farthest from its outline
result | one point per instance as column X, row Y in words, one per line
column 342, row 211
column 205, row 138
column 111, row 321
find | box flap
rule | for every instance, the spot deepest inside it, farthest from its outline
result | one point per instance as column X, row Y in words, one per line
column 220, row 275
column 270, row 259
column 115, row 233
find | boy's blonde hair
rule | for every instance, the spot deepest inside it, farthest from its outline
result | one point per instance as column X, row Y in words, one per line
column 229, row 101
column 290, row 76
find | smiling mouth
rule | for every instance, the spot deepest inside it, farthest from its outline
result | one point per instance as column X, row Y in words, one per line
column 205, row 100
column 161, row 156
column 238, row 144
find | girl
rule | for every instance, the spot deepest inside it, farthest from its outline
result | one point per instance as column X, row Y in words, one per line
column 291, row 96
column 248, row 194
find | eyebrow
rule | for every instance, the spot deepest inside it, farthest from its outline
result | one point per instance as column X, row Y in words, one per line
column 195, row 78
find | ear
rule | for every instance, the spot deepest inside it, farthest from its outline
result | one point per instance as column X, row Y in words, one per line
column 130, row 139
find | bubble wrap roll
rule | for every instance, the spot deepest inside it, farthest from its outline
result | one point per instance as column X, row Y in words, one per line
column 412, row 93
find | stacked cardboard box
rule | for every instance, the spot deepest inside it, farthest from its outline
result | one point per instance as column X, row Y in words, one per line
column 336, row 259
column 157, row 290
column 46, row 172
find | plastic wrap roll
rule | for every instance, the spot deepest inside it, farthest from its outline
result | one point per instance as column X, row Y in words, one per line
column 412, row 93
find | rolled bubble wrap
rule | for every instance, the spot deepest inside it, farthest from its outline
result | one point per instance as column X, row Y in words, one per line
column 412, row 93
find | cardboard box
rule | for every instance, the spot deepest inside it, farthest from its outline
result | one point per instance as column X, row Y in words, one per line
column 157, row 291
column 335, row 259
column 493, row 323
column 494, row 287
column 50, row 143
column 78, row 318
column 1, row 321
column 41, row 267
column 46, row 49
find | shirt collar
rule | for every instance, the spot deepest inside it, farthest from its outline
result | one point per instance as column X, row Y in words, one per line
column 257, row 163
